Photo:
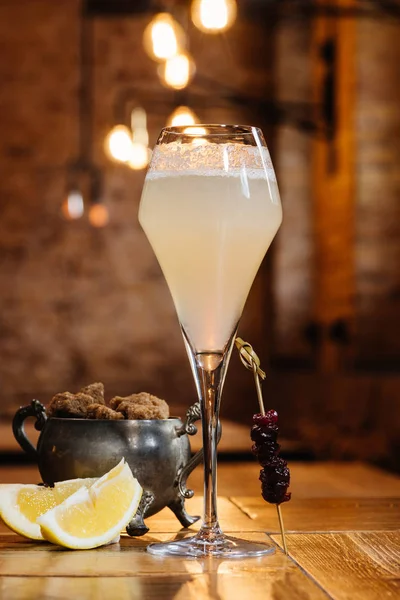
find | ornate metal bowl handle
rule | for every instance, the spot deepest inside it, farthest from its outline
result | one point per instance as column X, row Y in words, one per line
column 34, row 409
column 192, row 415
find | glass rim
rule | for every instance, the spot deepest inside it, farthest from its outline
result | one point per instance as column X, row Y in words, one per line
column 221, row 129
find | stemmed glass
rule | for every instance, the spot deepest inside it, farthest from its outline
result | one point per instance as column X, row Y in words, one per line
column 210, row 208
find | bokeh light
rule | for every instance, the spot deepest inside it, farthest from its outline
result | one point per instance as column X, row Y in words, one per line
column 140, row 156
column 177, row 71
column 163, row 37
column 213, row 16
column 98, row 215
column 118, row 143
column 182, row 115
column 73, row 205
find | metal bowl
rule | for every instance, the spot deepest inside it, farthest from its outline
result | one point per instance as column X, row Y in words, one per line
column 157, row 451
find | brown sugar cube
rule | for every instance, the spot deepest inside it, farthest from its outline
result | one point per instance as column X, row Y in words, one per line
column 140, row 411
column 143, row 397
column 158, row 405
column 60, row 403
column 141, row 406
column 69, row 405
column 100, row 411
column 116, row 401
column 95, row 391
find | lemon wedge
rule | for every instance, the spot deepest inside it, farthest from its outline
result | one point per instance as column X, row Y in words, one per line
column 95, row 515
column 21, row 505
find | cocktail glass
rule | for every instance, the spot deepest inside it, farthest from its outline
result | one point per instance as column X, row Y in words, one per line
column 210, row 208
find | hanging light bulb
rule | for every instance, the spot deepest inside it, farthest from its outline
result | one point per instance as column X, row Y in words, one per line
column 213, row 16
column 118, row 143
column 177, row 71
column 140, row 152
column 182, row 115
column 98, row 215
column 163, row 37
column 73, row 207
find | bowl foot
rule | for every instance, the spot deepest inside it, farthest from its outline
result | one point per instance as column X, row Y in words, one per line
column 137, row 527
column 178, row 508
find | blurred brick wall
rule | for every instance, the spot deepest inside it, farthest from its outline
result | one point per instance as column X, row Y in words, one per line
column 376, row 340
column 378, row 206
column 353, row 414
column 294, row 252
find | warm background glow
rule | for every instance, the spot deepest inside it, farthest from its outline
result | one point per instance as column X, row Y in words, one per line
column 118, row 143
column 163, row 37
column 130, row 146
column 182, row 115
column 140, row 156
column 73, row 207
column 177, row 71
column 213, row 16
column 98, row 215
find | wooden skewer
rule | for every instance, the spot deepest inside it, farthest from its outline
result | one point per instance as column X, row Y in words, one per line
column 282, row 527
column 251, row 361
column 258, row 388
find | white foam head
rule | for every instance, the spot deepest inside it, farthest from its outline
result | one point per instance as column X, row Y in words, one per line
column 210, row 159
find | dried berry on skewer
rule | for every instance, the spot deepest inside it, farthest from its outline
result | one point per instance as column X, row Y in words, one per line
column 275, row 474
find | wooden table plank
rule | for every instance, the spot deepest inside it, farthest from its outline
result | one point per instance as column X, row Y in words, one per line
column 358, row 562
column 350, row 566
column 19, row 474
column 354, row 566
column 232, row 518
column 324, row 514
column 20, row 557
column 288, row 584
column 93, row 588
column 125, row 570
column 253, row 514
column 343, row 479
column 381, row 547
column 309, row 480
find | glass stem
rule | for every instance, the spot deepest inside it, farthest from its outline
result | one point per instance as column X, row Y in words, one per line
column 209, row 369
column 209, row 379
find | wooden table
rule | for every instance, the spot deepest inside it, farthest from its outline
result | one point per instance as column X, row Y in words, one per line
column 344, row 546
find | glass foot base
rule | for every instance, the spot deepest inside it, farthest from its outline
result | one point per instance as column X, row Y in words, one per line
column 222, row 546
